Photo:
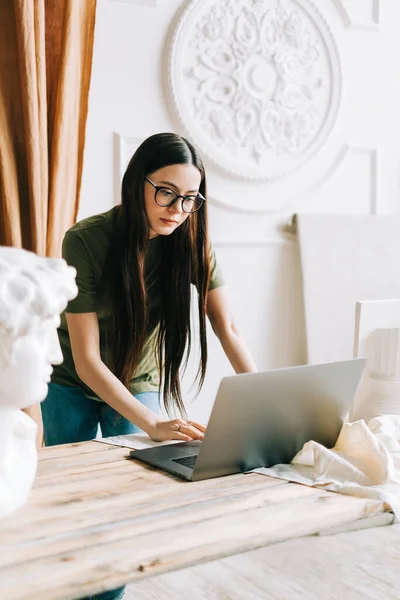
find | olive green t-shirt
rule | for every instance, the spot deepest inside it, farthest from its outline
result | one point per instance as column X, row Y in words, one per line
column 85, row 247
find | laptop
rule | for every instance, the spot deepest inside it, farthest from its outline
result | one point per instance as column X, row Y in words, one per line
column 263, row 419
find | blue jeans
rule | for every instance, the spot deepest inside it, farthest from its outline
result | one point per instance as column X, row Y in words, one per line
column 116, row 594
column 70, row 416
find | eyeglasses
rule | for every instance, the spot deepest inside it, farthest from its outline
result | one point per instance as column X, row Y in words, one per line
column 166, row 197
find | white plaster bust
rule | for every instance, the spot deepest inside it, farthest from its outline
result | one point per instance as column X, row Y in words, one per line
column 33, row 292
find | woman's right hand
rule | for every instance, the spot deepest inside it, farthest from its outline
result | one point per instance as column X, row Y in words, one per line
column 177, row 429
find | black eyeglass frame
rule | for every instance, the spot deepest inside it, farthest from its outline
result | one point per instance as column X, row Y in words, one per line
column 183, row 198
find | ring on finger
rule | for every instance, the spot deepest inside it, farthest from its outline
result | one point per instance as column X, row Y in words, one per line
column 182, row 425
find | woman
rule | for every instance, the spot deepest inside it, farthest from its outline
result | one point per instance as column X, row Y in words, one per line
column 129, row 326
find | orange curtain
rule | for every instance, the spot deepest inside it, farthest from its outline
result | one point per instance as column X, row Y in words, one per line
column 46, row 49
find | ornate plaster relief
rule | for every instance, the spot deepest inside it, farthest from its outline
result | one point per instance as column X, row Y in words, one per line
column 255, row 83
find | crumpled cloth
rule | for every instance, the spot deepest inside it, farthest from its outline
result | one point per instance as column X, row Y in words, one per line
column 364, row 462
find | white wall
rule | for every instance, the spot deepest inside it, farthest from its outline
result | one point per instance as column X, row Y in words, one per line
column 356, row 171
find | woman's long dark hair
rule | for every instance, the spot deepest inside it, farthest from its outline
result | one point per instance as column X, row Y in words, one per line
column 185, row 260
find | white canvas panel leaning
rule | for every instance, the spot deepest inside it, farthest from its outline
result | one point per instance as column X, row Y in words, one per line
column 344, row 258
column 33, row 292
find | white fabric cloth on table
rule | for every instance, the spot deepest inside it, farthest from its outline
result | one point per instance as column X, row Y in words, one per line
column 364, row 462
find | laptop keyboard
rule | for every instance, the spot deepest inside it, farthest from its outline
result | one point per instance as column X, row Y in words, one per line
column 187, row 461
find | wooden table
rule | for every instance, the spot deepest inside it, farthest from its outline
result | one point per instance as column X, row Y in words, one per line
column 96, row 520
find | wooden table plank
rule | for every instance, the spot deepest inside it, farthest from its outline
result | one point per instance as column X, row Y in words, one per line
column 149, row 502
column 158, row 520
column 115, row 563
column 361, row 565
column 60, row 464
column 76, row 448
column 98, row 528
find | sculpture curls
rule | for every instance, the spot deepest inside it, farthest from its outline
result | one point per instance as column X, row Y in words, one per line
column 33, row 290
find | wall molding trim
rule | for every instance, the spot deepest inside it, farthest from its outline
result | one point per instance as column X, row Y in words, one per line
column 350, row 20
column 372, row 155
column 337, row 158
column 124, row 148
column 289, row 240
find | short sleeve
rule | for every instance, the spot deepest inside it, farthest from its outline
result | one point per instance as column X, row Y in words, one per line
column 216, row 278
column 75, row 253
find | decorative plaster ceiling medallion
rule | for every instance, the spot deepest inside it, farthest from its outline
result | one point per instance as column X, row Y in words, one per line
column 256, row 83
